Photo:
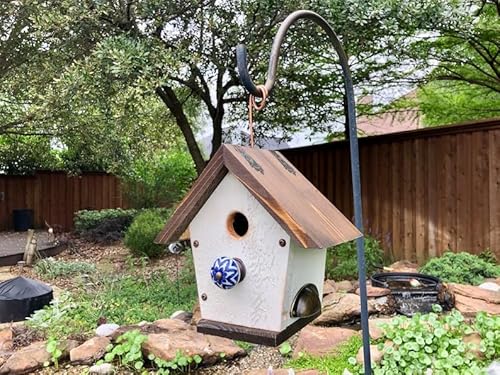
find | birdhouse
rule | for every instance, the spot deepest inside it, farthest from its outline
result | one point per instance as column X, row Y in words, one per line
column 259, row 232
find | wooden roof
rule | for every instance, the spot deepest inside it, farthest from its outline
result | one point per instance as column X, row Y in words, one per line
column 302, row 211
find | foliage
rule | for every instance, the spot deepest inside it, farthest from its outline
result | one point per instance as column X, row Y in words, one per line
column 436, row 342
column 122, row 299
column 246, row 346
column 181, row 363
column 51, row 268
column 54, row 351
column 144, row 229
column 444, row 102
column 285, row 349
column 463, row 268
column 128, row 350
column 64, row 317
column 160, row 180
column 330, row 364
column 86, row 220
column 341, row 260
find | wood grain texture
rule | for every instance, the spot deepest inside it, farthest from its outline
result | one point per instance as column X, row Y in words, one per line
column 299, row 207
column 55, row 197
column 424, row 191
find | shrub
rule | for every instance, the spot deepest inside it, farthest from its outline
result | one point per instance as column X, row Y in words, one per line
column 341, row 260
column 463, row 268
column 141, row 234
column 159, row 181
column 103, row 226
column 50, row 268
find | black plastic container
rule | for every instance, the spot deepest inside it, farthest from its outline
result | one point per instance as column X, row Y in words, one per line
column 23, row 219
column 409, row 298
column 20, row 297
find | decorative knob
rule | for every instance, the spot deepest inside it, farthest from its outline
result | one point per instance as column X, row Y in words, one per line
column 227, row 272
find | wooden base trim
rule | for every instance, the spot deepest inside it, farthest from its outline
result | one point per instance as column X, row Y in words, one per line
column 252, row 335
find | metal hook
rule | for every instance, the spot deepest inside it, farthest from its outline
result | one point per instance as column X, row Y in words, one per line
column 241, row 58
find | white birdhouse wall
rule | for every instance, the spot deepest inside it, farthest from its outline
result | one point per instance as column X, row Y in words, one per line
column 259, row 299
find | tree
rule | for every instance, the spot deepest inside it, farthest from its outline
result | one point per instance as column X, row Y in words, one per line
column 104, row 58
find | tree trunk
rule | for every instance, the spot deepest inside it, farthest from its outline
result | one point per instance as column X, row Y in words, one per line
column 168, row 97
column 217, row 126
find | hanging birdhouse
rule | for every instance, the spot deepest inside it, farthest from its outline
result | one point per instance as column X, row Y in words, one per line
column 259, row 232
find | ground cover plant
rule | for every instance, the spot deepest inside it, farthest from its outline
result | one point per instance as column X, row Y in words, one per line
column 50, row 268
column 341, row 260
column 334, row 363
column 119, row 298
column 462, row 268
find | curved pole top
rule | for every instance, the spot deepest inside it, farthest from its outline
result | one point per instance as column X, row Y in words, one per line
column 241, row 53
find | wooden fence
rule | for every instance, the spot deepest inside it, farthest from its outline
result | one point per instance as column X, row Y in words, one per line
column 54, row 196
column 423, row 191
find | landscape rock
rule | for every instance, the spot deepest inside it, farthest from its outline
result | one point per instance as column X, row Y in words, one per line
column 182, row 315
column 491, row 286
column 376, row 355
column 473, row 340
column 90, row 351
column 469, row 306
column 190, row 342
column 340, row 307
column 402, row 266
column 6, row 339
column 328, row 287
column 344, row 286
column 106, row 329
column 26, row 360
column 102, row 369
column 475, row 292
column 376, row 331
column 171, row 325
column 320, row 341
column 373, row 291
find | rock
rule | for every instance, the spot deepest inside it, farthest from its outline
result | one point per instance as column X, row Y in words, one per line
column 402, row 266
column 328, row 287
column 469, row 307
column 475, row 292
column 494, row 287
column 340, row 307
column 190, row 342
column 320, row 341
column 182, row 315
column 375, row 355
column 106, row 329
column 196, row 314
column 344, row 286
column 102, row 369
column 376, row 331
column 493, row 368
column 27, row 360
column 90, row 351
column 373, row 291
column 6, row 340
column 171, row 325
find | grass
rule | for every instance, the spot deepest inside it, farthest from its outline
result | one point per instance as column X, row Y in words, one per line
column 333, row 364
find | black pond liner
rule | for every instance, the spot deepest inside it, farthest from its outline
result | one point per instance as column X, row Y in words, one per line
column 20, row 297
column 410, row 299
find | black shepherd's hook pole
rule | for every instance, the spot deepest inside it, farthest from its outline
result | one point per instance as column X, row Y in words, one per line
column 241, row 55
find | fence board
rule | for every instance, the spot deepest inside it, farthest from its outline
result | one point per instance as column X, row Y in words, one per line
column 55, row 197
column 423, row 191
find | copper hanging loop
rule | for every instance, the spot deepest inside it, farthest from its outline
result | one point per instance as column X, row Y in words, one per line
column 252, row 104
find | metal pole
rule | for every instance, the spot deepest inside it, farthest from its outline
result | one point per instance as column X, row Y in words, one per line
column 241, row 56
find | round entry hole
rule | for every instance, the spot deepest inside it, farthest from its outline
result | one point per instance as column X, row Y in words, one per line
column 237, row 224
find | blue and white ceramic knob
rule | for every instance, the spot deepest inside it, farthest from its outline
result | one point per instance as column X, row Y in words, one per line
column 227, row 272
